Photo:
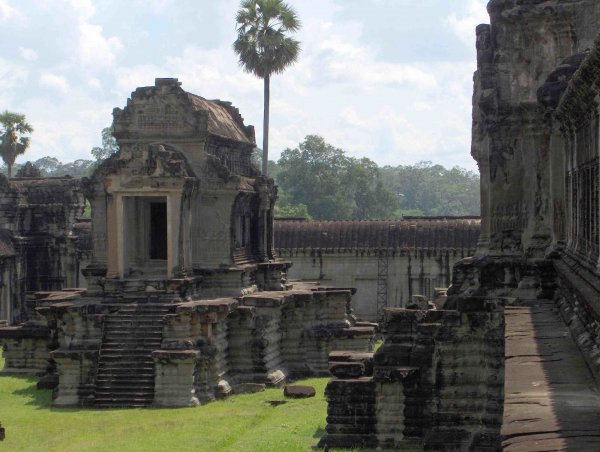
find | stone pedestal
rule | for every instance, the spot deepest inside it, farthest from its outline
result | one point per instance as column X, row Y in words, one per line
column 174, row 377
column 25, row 349
column 76, row 371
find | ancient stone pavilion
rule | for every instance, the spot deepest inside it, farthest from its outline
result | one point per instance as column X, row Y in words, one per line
column 185, row 301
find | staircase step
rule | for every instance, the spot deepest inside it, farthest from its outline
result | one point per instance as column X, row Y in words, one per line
column 125, row 375
column 122, row 390
column 106, row 379
column 140, row 396
column 126, row 366
column 130, row 347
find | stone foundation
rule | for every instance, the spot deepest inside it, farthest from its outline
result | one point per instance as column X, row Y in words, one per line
column 436, row 382
column 205, row 349
column 25, row 350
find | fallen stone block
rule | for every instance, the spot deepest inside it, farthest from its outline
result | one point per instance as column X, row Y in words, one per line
column 299, row 392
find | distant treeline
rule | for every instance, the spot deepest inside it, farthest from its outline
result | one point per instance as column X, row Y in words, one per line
column 319, row 181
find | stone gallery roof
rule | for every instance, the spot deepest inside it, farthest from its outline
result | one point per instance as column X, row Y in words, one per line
column 409, row 233
column 224, row 120
column 47, row 190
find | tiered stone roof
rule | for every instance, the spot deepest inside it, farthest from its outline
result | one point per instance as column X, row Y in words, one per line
column 409, row 233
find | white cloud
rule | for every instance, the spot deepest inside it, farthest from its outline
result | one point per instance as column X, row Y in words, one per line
column 85, row 8
column 7, row 11
column 94, row 48
column 423, row 106
column 66, row 129
column 54, row 81
column 464, row 26
column 28, row 54
column 94, row 83
column 157, row 6
column 12, row 75
column 128, row 79
column 347, row 60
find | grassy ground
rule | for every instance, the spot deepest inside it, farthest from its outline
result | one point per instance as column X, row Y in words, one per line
column 241, row 423
column 244, row 422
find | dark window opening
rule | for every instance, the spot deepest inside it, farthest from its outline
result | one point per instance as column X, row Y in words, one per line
column 158, row 230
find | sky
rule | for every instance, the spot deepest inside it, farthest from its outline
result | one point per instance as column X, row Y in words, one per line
column 386, row 79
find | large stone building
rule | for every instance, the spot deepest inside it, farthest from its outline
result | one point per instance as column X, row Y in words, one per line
column 529, row 300
column 387, row 262
column 43, row 240
column 185, row 300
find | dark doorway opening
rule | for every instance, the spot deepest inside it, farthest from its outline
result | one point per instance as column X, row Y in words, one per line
column 158, row 230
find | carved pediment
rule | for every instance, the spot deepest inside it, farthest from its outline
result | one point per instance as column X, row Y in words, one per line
column 155, row 160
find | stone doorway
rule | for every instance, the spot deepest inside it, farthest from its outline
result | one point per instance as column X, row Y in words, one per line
column 158, row 230
column 146, row 235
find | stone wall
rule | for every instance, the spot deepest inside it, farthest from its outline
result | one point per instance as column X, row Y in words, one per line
column 208, row 349
column 436, row 382
column 535, row 140
column 384, row 260
column 39, row 247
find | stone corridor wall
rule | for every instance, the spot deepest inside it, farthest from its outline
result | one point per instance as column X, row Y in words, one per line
column 436, row 382
column 535, row 140
column 418, row 254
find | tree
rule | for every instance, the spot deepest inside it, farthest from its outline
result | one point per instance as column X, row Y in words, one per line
column 312, row 174
column 433, row 189
column 14, row 143
column 264, row 48
column 109, row 145
column 48, row 166
column 331, row 184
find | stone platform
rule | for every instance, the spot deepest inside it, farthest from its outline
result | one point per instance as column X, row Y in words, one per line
column 551, row 400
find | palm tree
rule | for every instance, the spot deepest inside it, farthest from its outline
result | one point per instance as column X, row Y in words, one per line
column 264, row 49
column 13, row 142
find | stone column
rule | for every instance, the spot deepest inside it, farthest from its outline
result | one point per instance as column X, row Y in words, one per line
column 112, row 230
column 173, row 228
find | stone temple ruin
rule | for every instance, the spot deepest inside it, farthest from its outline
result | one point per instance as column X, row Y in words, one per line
column 185, row 301
column 497, row 368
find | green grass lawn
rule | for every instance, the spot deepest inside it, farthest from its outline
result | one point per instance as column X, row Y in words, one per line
column 241, row 423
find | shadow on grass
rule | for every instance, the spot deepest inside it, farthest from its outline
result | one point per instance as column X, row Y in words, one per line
column 38, row 397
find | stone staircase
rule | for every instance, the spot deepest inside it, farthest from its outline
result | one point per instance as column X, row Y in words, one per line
column 125, row 376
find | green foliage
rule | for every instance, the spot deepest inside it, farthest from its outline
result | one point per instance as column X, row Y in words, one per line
column 109, row 145
column 401, row 213
column 433, row 189
column 87, row 210
column 241, row 423
column 330, row 184
column 334, row 186
column 52, row 167
column 292, row 211
column 262, row 44
column 14, row 141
